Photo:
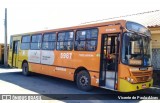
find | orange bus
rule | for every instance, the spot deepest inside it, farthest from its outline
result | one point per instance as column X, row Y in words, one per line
column 114, row 55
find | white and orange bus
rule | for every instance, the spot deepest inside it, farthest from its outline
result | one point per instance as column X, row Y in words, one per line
column 113, row 55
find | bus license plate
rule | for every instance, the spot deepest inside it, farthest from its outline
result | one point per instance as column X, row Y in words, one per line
column 143, row 86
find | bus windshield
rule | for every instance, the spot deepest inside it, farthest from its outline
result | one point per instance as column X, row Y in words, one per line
column 136, row 49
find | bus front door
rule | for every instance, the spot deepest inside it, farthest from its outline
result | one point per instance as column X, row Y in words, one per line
column 109, row 61
column 15, row 53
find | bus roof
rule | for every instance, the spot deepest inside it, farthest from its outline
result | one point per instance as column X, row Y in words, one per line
column 122, row 22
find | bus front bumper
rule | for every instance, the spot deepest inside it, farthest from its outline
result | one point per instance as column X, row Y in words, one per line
column 125, row 86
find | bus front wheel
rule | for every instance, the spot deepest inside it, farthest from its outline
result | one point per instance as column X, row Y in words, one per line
column 83, row 80
column 25, row 69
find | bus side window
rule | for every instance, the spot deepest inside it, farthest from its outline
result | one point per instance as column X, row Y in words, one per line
column 86, row 40
column 69, row 40
column 79, row 42
column 81, row 46
column 25, row 42
column 48, row 41
column 65, row 40
column 36, row 42
column 91, row 45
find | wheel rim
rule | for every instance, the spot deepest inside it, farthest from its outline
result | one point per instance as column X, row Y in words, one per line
column 83, row 81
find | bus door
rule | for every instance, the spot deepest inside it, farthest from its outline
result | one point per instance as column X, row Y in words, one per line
column 15, row 53
column 109, row 61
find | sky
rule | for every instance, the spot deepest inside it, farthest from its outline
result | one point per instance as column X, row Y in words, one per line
column 34, row 15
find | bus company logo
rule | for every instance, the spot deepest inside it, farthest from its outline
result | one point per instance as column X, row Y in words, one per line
column 23, row 52
column 35, row 53
column 112, row 29
column 6, row 97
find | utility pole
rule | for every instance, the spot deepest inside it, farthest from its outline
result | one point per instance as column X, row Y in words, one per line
column 5, row 40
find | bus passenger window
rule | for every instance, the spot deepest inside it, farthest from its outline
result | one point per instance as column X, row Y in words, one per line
column 91, row 45
column 81, row 45
column 65, row 41
column 25, row 43
column 36, row 41
column 86, row 40
column 48, row 41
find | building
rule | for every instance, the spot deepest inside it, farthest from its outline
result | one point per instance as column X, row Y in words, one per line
column 155, row 36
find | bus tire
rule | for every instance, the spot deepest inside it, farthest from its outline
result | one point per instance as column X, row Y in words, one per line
column 25, row 69
column 83, row 80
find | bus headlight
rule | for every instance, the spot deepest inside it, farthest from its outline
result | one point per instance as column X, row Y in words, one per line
column 150, row 78
column 130, row 80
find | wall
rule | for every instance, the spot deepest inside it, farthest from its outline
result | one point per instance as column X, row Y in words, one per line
column 155, row 36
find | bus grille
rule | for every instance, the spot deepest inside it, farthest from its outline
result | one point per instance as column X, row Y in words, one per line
column 142, row 76
column 146, row 73
column 142, row 79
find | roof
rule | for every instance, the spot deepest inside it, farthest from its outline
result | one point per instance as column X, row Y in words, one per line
column 122, row 22
column 154, row 26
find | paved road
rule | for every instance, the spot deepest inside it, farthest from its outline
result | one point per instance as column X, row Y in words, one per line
column 13, row 82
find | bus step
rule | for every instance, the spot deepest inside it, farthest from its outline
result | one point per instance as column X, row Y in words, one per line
column 110, row 83
column 110, row 74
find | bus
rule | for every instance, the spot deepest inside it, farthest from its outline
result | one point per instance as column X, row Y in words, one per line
column 113, row 55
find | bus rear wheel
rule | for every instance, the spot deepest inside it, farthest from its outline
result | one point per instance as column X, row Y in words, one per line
column 25, row 69
column 83, row 80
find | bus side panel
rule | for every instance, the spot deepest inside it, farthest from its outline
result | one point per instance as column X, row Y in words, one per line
column 54, row 71
column 94, row 78
column 23, row 55
column 75, row 59
column 60, row 72
column 41, row 61
column 33, row 67
column 20, row 64
column 63, row 64
column 87, row 60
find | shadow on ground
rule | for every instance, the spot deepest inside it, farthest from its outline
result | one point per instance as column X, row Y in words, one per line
column 45, row 85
